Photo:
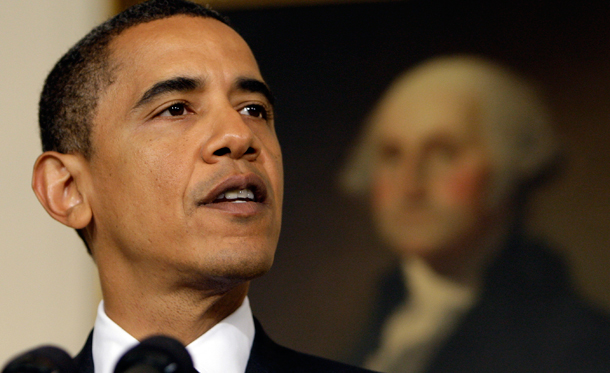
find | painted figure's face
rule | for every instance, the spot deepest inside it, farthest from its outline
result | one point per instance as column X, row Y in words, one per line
column 431, row 172
column 186, row 170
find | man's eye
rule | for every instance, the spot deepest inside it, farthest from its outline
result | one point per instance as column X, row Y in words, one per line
column 174, row 110
column 257, row 111
column 389, row 152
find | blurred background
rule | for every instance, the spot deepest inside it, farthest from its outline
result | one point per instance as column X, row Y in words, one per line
column 327, row 62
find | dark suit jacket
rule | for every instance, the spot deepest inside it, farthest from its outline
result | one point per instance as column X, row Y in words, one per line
column 527, row 320
column 266, row 356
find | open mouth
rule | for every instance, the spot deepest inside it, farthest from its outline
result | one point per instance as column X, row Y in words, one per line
column 238, row 189
column 236, row 195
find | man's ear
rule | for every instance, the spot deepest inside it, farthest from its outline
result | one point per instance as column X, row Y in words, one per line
column 59, row 181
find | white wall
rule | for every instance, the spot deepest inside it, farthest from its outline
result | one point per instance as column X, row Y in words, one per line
column 48, row 290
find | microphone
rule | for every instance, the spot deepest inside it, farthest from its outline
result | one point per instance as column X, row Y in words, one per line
column 157, row 354
column 44, row 359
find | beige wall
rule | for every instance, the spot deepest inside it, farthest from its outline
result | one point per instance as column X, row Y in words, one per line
column 48, row 289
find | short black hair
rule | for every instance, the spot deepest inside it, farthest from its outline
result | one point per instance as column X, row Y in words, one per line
column 72, row 89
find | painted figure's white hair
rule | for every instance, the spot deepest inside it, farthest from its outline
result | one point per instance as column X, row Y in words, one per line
column 514, row 121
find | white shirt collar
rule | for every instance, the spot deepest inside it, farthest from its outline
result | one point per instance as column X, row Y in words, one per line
column 223, row 349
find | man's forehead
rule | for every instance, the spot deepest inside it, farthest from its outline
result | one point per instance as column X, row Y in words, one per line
column 423, row 112
column 177, row 46
column 170, row 35
column 166, row 24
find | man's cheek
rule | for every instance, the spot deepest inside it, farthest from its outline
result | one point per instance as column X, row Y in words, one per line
column 383, row 193
column 465, row 186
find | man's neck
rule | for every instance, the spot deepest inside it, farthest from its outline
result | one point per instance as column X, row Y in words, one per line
column 184, row 313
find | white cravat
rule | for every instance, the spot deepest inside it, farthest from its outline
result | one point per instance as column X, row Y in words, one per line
column 223, row 349
column 417, row 328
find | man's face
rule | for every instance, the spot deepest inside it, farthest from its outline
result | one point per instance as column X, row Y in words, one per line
column 431, row 174
column 186, row 170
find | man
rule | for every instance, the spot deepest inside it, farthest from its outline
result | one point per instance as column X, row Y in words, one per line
column 446, row 161
column 160, row 150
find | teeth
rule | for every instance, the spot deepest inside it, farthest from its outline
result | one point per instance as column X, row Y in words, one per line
column 240, row 194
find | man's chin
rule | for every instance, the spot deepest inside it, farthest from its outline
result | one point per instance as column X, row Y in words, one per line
column 225, row 271
column 246, row 272
column 416, row 240
column 243, row 269
column 418, row 249
column 222, row 281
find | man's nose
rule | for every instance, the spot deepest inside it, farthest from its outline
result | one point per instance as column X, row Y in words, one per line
column 231, row 137
column 412, row 177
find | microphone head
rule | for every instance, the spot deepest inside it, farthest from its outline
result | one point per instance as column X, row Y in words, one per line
column 44, row 359
column 157, row 354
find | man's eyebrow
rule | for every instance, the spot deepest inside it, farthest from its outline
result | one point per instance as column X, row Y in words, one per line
column 255, row 86
column 177, row 84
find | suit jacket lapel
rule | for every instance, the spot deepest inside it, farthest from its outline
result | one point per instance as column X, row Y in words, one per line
column 263, row 352
column 84, row 359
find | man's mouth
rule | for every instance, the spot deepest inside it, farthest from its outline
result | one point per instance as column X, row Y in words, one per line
column 236, row 196
column 237, row 189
